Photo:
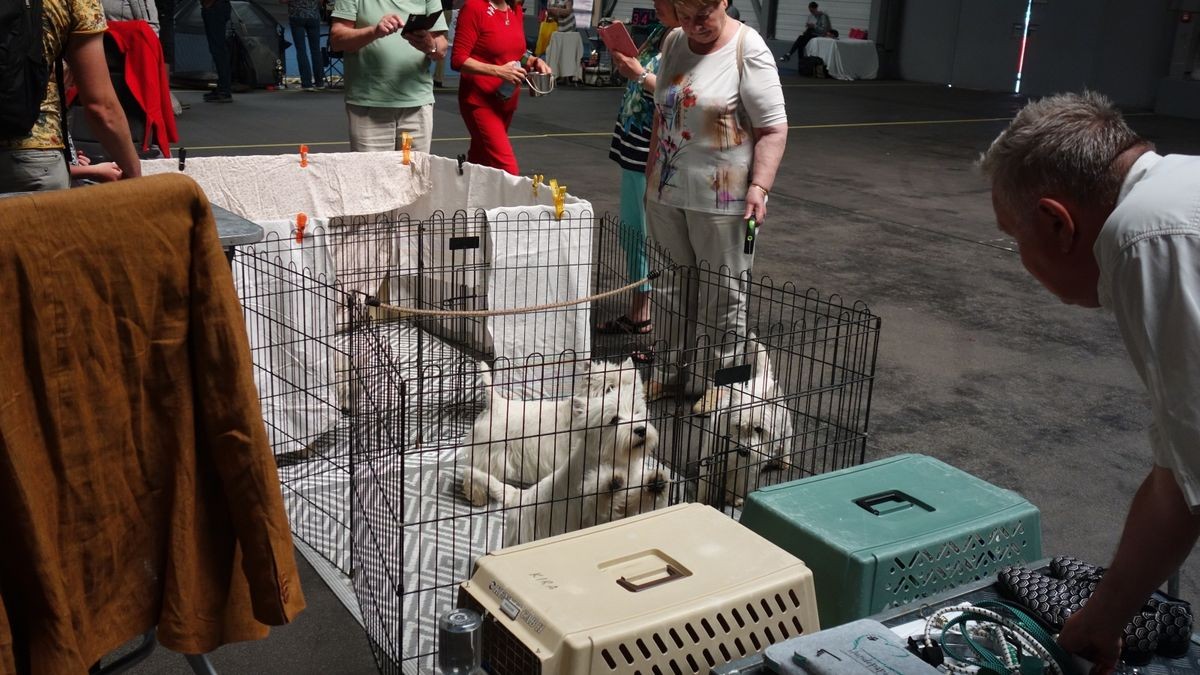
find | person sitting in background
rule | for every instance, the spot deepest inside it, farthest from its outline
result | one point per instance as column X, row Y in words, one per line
column 33, row 159
column 1101, row 220
column 304, row 18
column 389, row 90
column 817, row 25
column 630, row 147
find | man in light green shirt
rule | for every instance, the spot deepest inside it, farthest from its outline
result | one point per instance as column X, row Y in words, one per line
column 388, row 86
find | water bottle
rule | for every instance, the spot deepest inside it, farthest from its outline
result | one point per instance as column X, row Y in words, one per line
column 507, row 89
column 460, row 634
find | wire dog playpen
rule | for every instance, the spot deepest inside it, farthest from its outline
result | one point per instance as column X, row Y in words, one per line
column 384, row 420
column 433, row 388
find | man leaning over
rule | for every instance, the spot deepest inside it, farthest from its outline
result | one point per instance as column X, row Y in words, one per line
column 1101, row 220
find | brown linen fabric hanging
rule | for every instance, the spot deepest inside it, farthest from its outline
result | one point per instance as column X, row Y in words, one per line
column 136, row 484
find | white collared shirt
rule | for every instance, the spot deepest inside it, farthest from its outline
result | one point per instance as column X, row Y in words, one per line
column 1149, row 257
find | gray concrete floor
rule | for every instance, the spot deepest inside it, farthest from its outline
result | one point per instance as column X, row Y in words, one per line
column 876, row 200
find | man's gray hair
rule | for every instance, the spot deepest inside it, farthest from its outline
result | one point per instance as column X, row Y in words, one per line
column 1062, row 145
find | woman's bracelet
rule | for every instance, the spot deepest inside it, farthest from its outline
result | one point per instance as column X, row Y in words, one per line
column 642, row 78
column 765, row 191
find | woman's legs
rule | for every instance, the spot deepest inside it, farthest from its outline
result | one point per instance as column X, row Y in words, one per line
column 313, row 28
column 675, row 290
column 633, row 240
column 707, row 296
column 299, row 36
column 489, row 137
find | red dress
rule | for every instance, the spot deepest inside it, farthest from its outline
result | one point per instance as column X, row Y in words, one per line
column 494, row 36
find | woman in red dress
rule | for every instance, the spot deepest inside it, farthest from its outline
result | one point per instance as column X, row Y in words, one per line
column 489, row 51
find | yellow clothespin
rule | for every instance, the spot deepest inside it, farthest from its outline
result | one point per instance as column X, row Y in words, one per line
column 560, row 194
column 537, row 182
column 301, row 223
column 406, row 146
column 303, row 156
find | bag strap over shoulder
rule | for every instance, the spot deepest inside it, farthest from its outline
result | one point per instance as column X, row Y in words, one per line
column 741, row 53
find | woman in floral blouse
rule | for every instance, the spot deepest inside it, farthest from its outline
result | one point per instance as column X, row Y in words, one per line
column 720, row 129
column 630, row 146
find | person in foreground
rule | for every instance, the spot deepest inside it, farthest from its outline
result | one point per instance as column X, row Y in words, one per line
column 720, row 128
column 1101, row 220
column 630, row 147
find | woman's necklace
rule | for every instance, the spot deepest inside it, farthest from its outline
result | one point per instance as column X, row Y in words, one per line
column 492, row 10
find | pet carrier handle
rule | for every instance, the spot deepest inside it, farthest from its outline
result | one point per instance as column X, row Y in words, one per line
column 892, row 501
column 672, row 574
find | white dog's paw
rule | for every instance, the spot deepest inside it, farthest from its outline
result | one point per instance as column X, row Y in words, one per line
column 709, row 402
column 474, row 492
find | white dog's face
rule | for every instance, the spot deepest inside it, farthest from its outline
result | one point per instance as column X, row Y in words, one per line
column 641, row 486
column 603, row 377
column 618, row 419
column 759, row 429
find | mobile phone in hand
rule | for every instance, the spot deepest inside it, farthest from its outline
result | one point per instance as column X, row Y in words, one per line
column 417, row 22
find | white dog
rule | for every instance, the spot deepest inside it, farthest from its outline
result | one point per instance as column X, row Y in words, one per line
column 747, row 424
column 524, row 441
column 610, row 476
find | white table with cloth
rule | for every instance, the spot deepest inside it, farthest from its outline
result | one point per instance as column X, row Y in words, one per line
column 845, row 58
column 565, row 54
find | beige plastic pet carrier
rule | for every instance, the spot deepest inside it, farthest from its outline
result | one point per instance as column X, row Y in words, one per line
column 673, row 591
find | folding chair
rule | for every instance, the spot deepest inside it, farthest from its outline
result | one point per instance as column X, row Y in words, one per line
column 335, row 74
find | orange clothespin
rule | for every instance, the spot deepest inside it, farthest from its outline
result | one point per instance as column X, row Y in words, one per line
column 560, row 194
column 301, row 223
column 303, row 157
column 537, row 182
column 406, row 146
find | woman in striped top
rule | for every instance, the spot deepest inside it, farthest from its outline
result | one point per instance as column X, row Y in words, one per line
column 630, row 146
column 562, row 11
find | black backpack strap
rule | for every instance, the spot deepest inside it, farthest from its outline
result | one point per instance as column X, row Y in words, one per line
column 63, row 109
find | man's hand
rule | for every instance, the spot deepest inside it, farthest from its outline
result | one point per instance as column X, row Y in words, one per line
column 422, row 41
column 629, row 67
column 390, row 23
column 1093, row 638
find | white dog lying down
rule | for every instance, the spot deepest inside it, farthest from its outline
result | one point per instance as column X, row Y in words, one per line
column 524, row 441
column 748, row 424
column 579, row 494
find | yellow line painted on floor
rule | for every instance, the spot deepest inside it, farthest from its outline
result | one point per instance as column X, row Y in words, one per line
column 584, row 134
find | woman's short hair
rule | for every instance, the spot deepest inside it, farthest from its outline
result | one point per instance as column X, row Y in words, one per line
column 695, row 5
column 1061, row 145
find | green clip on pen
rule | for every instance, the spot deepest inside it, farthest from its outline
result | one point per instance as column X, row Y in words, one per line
column 751, row 231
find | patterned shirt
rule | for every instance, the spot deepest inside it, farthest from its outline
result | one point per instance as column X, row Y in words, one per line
column 304, row 9
column 635, row 119
column 565, row 23
column 60, row 20
column 707, row 114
